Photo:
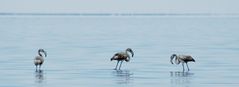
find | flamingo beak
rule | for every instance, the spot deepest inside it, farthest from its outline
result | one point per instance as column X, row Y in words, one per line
column 171, row 59
column 45, row 53
column 171, row 62
column 111, row 59
column 132, row 52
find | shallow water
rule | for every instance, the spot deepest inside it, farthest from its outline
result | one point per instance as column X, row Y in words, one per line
column 79, row 51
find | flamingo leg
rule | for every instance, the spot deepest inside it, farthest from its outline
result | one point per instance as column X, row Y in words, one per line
column 116, row 65
column 36, row 68
column 39, row 67
column 187, row 66
column 183, row 66
column 120, row 64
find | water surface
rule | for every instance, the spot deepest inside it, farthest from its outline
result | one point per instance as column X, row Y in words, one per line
column 79, row 51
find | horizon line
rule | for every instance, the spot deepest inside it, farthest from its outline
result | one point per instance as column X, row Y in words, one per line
column 116, row 14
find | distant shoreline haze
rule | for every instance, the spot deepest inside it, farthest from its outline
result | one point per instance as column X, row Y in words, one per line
column 122, row 14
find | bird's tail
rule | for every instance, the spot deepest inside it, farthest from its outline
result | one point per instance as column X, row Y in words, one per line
column 114, row 58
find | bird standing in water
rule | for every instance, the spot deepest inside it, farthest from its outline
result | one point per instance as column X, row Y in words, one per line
column 38, row 61
column 182, row 59
column 122, row 56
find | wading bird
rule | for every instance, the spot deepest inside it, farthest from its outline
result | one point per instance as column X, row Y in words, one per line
column 122, row 56
column 38, row 61
column 182, row 59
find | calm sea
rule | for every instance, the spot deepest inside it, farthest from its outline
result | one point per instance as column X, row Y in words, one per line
column 80, row 47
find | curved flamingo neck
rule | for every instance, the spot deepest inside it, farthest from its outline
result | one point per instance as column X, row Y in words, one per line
column 39, row 53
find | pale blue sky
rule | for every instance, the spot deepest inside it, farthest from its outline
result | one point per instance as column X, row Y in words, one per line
column 121, row 6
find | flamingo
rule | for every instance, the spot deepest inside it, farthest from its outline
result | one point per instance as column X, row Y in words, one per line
column 38, row 61
column 182, row 59
column 122, row 56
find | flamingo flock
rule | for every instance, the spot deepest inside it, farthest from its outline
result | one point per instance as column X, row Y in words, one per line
column 120, row 57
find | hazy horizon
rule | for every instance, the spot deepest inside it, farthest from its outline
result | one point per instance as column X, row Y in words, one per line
column 122, row 6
